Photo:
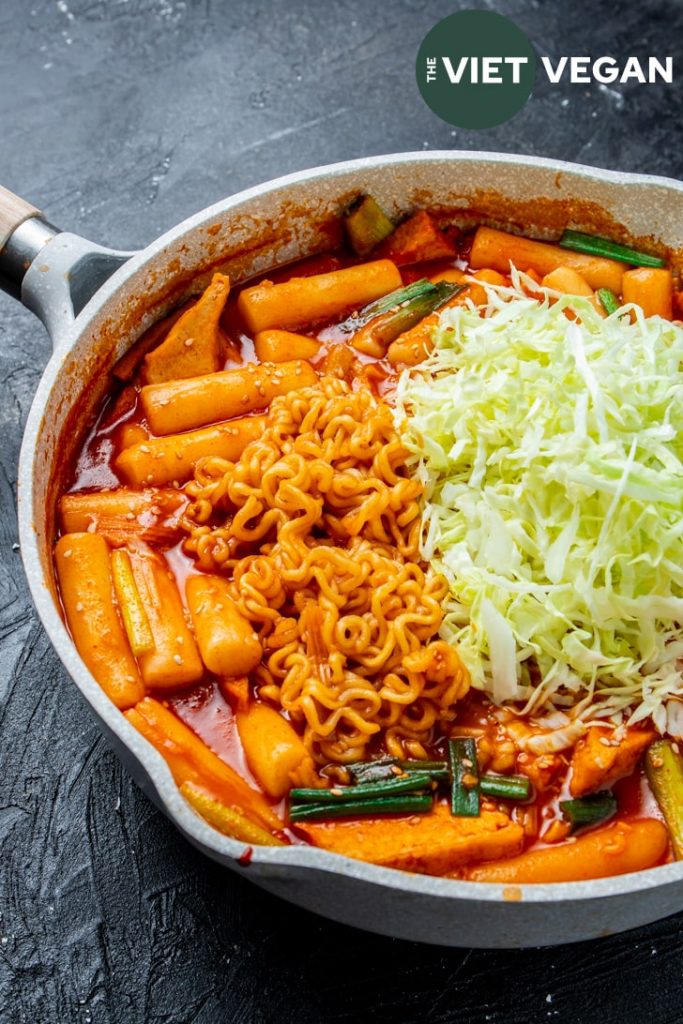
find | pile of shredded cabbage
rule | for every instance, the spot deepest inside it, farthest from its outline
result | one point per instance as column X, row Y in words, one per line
column 552, row 458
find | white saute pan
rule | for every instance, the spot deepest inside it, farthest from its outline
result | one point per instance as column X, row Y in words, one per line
column 95, row 302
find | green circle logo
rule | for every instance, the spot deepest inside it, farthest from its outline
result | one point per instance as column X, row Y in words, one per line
column 475, row 69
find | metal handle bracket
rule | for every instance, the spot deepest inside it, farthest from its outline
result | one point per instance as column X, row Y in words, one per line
column 55, row 273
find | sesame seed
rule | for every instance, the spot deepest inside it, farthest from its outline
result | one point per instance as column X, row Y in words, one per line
column 244, row 399
column 189, row 342
column 178, row 660
column 150, row 477
column 79, row 607
column 180, row 640
column 68, row 554
column 145, row 448
column 336, row 791
column 130, row 515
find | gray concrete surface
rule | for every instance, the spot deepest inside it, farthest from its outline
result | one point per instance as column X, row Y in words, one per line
column 119, row 118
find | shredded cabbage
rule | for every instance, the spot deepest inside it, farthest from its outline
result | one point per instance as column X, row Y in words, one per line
column 551, row 454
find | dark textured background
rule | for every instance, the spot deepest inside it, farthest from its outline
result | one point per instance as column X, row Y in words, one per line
column 120, row 118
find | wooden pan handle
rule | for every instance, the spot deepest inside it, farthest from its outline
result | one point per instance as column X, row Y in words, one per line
column 13, row 212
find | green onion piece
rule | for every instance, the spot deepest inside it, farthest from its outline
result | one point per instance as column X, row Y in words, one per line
column 437, row 770
column 373, row 771
column 507, row 787
column 664, row 768
column 409, row 803
column 367, row 225
column 589, row 810
column 391, row 767
column 410, row 313
column 394, row 299
column 413, row 765
column 463, row 761
column 375, row 334
column 608, row 300
column 592, row 246
column 407, row 783
column 431, row 295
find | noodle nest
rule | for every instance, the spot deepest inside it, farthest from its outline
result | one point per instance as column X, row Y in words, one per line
column 317, row 526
